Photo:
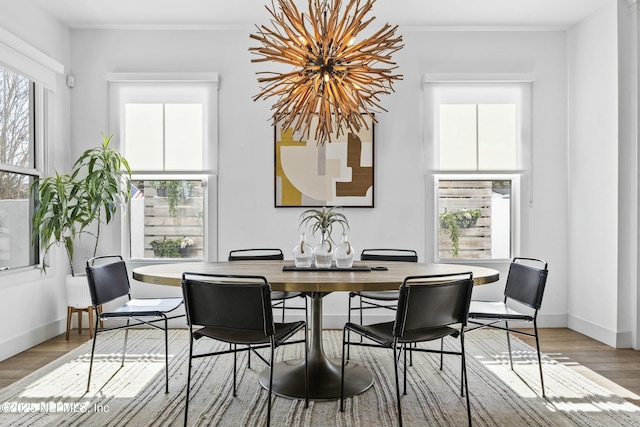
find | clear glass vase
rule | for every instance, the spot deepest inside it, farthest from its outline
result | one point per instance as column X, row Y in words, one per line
column 323, row 253
column 303, row 253
column 343, row 253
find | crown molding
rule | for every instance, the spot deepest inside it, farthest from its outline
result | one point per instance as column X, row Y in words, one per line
column 159, row 27
column 463, row 28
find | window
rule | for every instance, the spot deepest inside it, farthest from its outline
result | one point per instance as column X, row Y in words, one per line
column 480, row 142
column 17, row 169
column 166, row 131
column 474, row 217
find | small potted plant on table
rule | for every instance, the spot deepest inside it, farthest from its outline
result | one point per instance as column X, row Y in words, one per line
column 323, row 221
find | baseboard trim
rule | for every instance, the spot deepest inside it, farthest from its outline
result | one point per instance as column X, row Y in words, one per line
column 31, row 338
column 614, row 339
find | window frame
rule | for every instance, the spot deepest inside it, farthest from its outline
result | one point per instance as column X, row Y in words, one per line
column 514, row 212
column 521, row 176
column 196, row 176
column 119, row 84
column 44, row 71
column 37, row 112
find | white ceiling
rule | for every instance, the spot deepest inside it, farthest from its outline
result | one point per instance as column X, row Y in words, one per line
column 237, row 13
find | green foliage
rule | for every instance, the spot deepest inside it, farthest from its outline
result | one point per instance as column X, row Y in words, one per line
column 176, row 191
column 166, row 248
column 453, row 221
column 323, row 221
column 67, row 204
column 106, row 183
column 59, row 214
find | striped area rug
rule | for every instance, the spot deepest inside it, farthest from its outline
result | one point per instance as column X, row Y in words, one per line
column 134, row 395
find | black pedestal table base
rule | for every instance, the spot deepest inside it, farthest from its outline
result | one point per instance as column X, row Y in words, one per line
column 324, row 373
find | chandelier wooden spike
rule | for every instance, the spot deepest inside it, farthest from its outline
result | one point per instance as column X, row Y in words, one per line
column 336, row 78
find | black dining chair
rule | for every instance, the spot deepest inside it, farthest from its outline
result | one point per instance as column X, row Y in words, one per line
column 279, row 298
column 235, row 309
column 525, row 285
column 429, row 308
column 109, row 282
column 379, row 299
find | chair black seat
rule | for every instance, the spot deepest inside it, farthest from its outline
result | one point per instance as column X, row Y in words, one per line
column 282, row 332
column 496, row 310
column 382, row 333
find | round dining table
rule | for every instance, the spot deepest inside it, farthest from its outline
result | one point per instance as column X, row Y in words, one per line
column 324, row 372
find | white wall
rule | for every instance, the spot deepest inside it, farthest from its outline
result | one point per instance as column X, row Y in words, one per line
column 593, row 176
column 246, row 215
column 33, row 305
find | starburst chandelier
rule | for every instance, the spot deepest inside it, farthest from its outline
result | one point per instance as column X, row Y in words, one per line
column 337, row 78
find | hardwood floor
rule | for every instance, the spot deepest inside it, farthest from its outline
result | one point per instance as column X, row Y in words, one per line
column 22, row 364
column 616, row 369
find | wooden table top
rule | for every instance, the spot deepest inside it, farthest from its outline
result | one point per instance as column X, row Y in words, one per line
column 313, row 281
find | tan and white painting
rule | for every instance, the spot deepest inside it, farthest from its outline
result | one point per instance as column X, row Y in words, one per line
column 338, row 173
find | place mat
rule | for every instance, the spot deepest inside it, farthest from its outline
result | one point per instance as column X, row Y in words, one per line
column 353, row 268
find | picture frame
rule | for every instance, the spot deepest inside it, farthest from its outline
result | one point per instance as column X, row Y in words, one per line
column 337, row 173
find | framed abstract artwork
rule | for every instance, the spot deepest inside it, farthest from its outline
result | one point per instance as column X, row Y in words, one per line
column 338, row 173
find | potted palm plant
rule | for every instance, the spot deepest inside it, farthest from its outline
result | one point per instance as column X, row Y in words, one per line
column 99, row 184
column 105, row 180
column 58, row 215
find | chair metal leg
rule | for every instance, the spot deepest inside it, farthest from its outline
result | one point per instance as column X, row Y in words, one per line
column 441, row 352
column 248, row 357
column 124, row 348
column 306, row 364
column 93, row 349
column 235, row 349
column 345, row 337
column 463, row 369
column 404, row 375
column 306, row 311
column 186, row 402
column 284, row 301
column 506, row 325
column 395, row 365
column 361, row 314
column 464, row 377
column 535, row 329
column 273, row 345
column 411, row 353
column 348, row 321
column 166, row 355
